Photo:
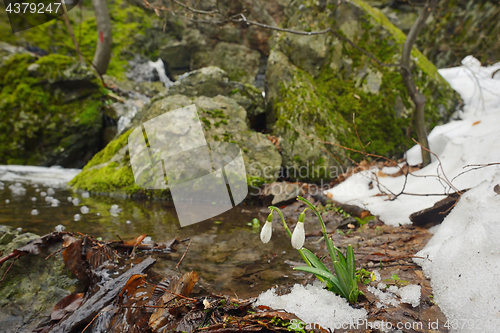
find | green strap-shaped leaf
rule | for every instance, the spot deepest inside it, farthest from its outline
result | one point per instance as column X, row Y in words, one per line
column 341, row 273
column 351, row 265
column 342, row 259
column 315, row 262
column 327, row 276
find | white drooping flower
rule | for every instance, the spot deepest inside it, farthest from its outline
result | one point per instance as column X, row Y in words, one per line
column 266, row 232
column 298, row 236
column 267, row 229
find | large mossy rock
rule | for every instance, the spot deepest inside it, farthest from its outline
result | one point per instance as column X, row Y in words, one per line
column 212, row 81
column 318, row 84
column 32, row 286
column 223, row 119
column 50, row 111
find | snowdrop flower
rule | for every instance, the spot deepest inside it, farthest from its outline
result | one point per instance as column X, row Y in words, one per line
column 299, row 234
column 267, row 230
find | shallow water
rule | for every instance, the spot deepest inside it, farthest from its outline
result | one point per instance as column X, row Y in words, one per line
column 226, row 252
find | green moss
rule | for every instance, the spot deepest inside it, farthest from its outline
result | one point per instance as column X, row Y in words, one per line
column 38, row 119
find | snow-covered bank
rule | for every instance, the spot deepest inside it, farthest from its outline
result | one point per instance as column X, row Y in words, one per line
column 471, row 140
column 53, row 176
column 464, row 262
column 464, row 254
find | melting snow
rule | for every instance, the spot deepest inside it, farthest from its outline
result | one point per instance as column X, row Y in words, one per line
column 464, row 253
column 314, row 304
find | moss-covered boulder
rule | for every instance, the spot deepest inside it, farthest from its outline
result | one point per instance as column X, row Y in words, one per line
column 50, row 111
column 32, row 286
column 212, row 81
column 317, row 86
column 223, row 119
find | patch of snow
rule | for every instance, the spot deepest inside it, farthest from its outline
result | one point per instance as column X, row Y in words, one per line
column 75, row 201
column 465, row 254
column 78, row 217
column 84, row 209
column 34, row 212
column 314, row 305
column 385, row 297
column 160, row 69
column 59, row 228
column 85, row 195
column 55, row 176
column 410, row 294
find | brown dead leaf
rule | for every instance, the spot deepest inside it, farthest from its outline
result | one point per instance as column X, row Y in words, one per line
column 476, row 122
column 66, row 305
column 182, row 286
column 135, row 281
column 136, row 241
column 68, row 240
column 75, row 261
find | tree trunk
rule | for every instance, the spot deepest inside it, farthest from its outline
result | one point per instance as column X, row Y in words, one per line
column 417, row 97
column 102, row 54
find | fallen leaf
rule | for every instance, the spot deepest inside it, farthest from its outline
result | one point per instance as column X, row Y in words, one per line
column 476, row 122
column 136, row 241
column 66, row 305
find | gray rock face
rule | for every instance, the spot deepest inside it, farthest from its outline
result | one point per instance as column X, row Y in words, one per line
column 32, row 286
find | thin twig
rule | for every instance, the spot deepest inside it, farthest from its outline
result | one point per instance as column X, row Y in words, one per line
column 476, row 167
column 185, row 252
column 8, row 269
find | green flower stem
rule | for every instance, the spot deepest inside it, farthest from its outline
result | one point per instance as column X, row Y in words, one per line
column 282, row 220
column 289, row 232
column 329, row 243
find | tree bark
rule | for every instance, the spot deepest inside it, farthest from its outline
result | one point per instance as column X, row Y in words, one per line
column 417, row 97
column 102, row 54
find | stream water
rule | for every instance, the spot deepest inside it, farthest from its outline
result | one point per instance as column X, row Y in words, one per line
column 226, row 251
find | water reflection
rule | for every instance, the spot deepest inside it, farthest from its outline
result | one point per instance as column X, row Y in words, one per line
column 225, row 252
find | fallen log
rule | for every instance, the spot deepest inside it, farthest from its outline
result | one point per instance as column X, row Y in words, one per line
column 88, row 310
column 436, row 214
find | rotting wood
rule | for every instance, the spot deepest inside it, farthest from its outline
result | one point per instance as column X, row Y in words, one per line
column 100, row 300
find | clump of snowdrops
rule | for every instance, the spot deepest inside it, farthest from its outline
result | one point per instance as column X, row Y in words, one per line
column 343, row 282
